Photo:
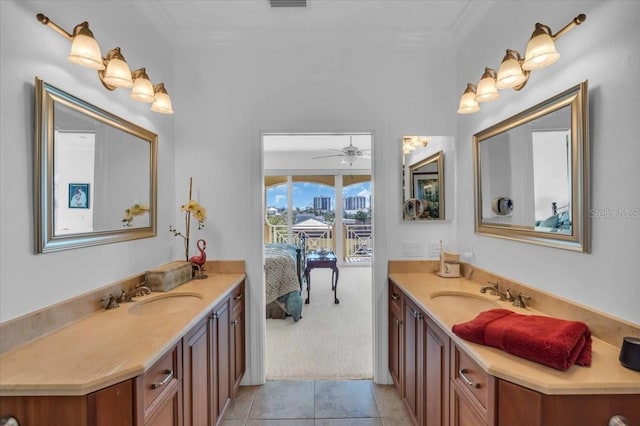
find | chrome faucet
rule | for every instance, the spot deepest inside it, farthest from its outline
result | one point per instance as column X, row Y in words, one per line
column 137, row 291
column 494, row 289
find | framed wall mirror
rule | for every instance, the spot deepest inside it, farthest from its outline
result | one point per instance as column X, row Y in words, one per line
column 94, row 174
column 532, row 174
column 423, row 180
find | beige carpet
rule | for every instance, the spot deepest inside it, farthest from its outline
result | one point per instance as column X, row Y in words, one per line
column 330, row 341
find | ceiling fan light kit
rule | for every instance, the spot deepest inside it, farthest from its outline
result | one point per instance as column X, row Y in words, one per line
column 349, row 154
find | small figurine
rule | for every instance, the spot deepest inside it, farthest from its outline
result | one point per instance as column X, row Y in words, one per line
column 198, row 261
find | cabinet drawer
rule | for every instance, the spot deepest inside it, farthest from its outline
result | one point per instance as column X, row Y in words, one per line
column 395, row 296
column 237, row 296
column 160, row 376
column 468, row 375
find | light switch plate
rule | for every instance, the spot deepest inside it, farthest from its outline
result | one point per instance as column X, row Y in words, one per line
column 435, row 248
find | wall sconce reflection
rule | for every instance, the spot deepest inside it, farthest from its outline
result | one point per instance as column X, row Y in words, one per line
column 113, row 70
column 514, row 70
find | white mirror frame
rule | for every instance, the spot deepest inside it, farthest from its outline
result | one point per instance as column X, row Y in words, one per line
column 45, row 239
column 575, row 98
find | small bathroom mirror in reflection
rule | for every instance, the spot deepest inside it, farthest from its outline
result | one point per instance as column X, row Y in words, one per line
column 423, row 179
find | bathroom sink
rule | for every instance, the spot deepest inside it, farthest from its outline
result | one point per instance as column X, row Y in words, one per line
column 170, row 303
column 461, row 305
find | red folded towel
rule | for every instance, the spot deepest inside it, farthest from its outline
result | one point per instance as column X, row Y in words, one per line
column 550, row 341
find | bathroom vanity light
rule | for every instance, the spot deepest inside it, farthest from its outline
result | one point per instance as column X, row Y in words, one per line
column 113, row 70
column 487, row 90
column 514, row 71
column 468, row 103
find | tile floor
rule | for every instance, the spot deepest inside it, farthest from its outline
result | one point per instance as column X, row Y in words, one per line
column 317, row 403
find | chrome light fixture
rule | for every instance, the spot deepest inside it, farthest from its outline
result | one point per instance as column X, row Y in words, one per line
column 113, row 70
column 514, row 71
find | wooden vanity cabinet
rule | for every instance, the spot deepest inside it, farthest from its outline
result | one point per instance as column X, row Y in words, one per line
column 238, row 336
column 198, row 373
column 396, row 352
column 425, row 376
column 526, row 407
column 214, row 361
column 111, row 406
column 440, row 384
column 158, row 392
column 472, row 391
column 221, row 359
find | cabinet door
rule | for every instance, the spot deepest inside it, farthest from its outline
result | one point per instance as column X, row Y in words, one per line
column 462, row 411
column 436, row 374
column 237, row 334
column 221, row 361
column 412, row 374
column 395, row 336
column 169, row 412
column 197, row 374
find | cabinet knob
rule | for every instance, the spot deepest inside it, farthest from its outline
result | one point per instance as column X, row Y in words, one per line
column 394, row 296
column 619, row 420
column 238, row 297
column 9, row 421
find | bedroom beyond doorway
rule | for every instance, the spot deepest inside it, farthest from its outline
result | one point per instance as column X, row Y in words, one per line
column 317, row 189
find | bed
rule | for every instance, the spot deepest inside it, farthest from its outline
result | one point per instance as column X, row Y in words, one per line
column 559, row 221
column 284, row 279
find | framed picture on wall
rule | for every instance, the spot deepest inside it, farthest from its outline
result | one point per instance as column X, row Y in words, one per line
column 78, row 195
column 427, row 189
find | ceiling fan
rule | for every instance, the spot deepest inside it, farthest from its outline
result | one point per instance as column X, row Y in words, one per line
column 349, row 153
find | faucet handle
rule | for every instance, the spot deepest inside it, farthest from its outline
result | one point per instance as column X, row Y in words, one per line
column 518, row 301
column 508, row 296
column 109, row 302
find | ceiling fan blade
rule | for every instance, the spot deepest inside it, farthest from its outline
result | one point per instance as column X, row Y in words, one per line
column 327, row 156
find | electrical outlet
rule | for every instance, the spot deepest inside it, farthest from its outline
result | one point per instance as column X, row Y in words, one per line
column 414, row 249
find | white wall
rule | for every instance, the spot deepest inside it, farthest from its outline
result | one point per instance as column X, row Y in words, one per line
column 28, row 49
column 337, row 85
column 605, row 50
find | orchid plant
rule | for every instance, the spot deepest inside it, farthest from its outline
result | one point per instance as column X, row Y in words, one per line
column 199, row 213
column 133, row 211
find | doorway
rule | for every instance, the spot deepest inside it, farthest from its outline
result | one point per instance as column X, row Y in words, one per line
column 318, row 186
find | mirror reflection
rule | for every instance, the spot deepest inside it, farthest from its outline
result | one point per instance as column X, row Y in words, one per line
column 532, row 174
column 92, row 170
column 423, row 179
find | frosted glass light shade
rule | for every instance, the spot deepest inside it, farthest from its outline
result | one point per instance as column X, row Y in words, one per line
column 84, row 49
column 118, row 74
column 142, row 87
column 468, row 103
column 487, row 90
column 510, row 74
column 349, row 159
column 541, row 50
column 162, row 104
